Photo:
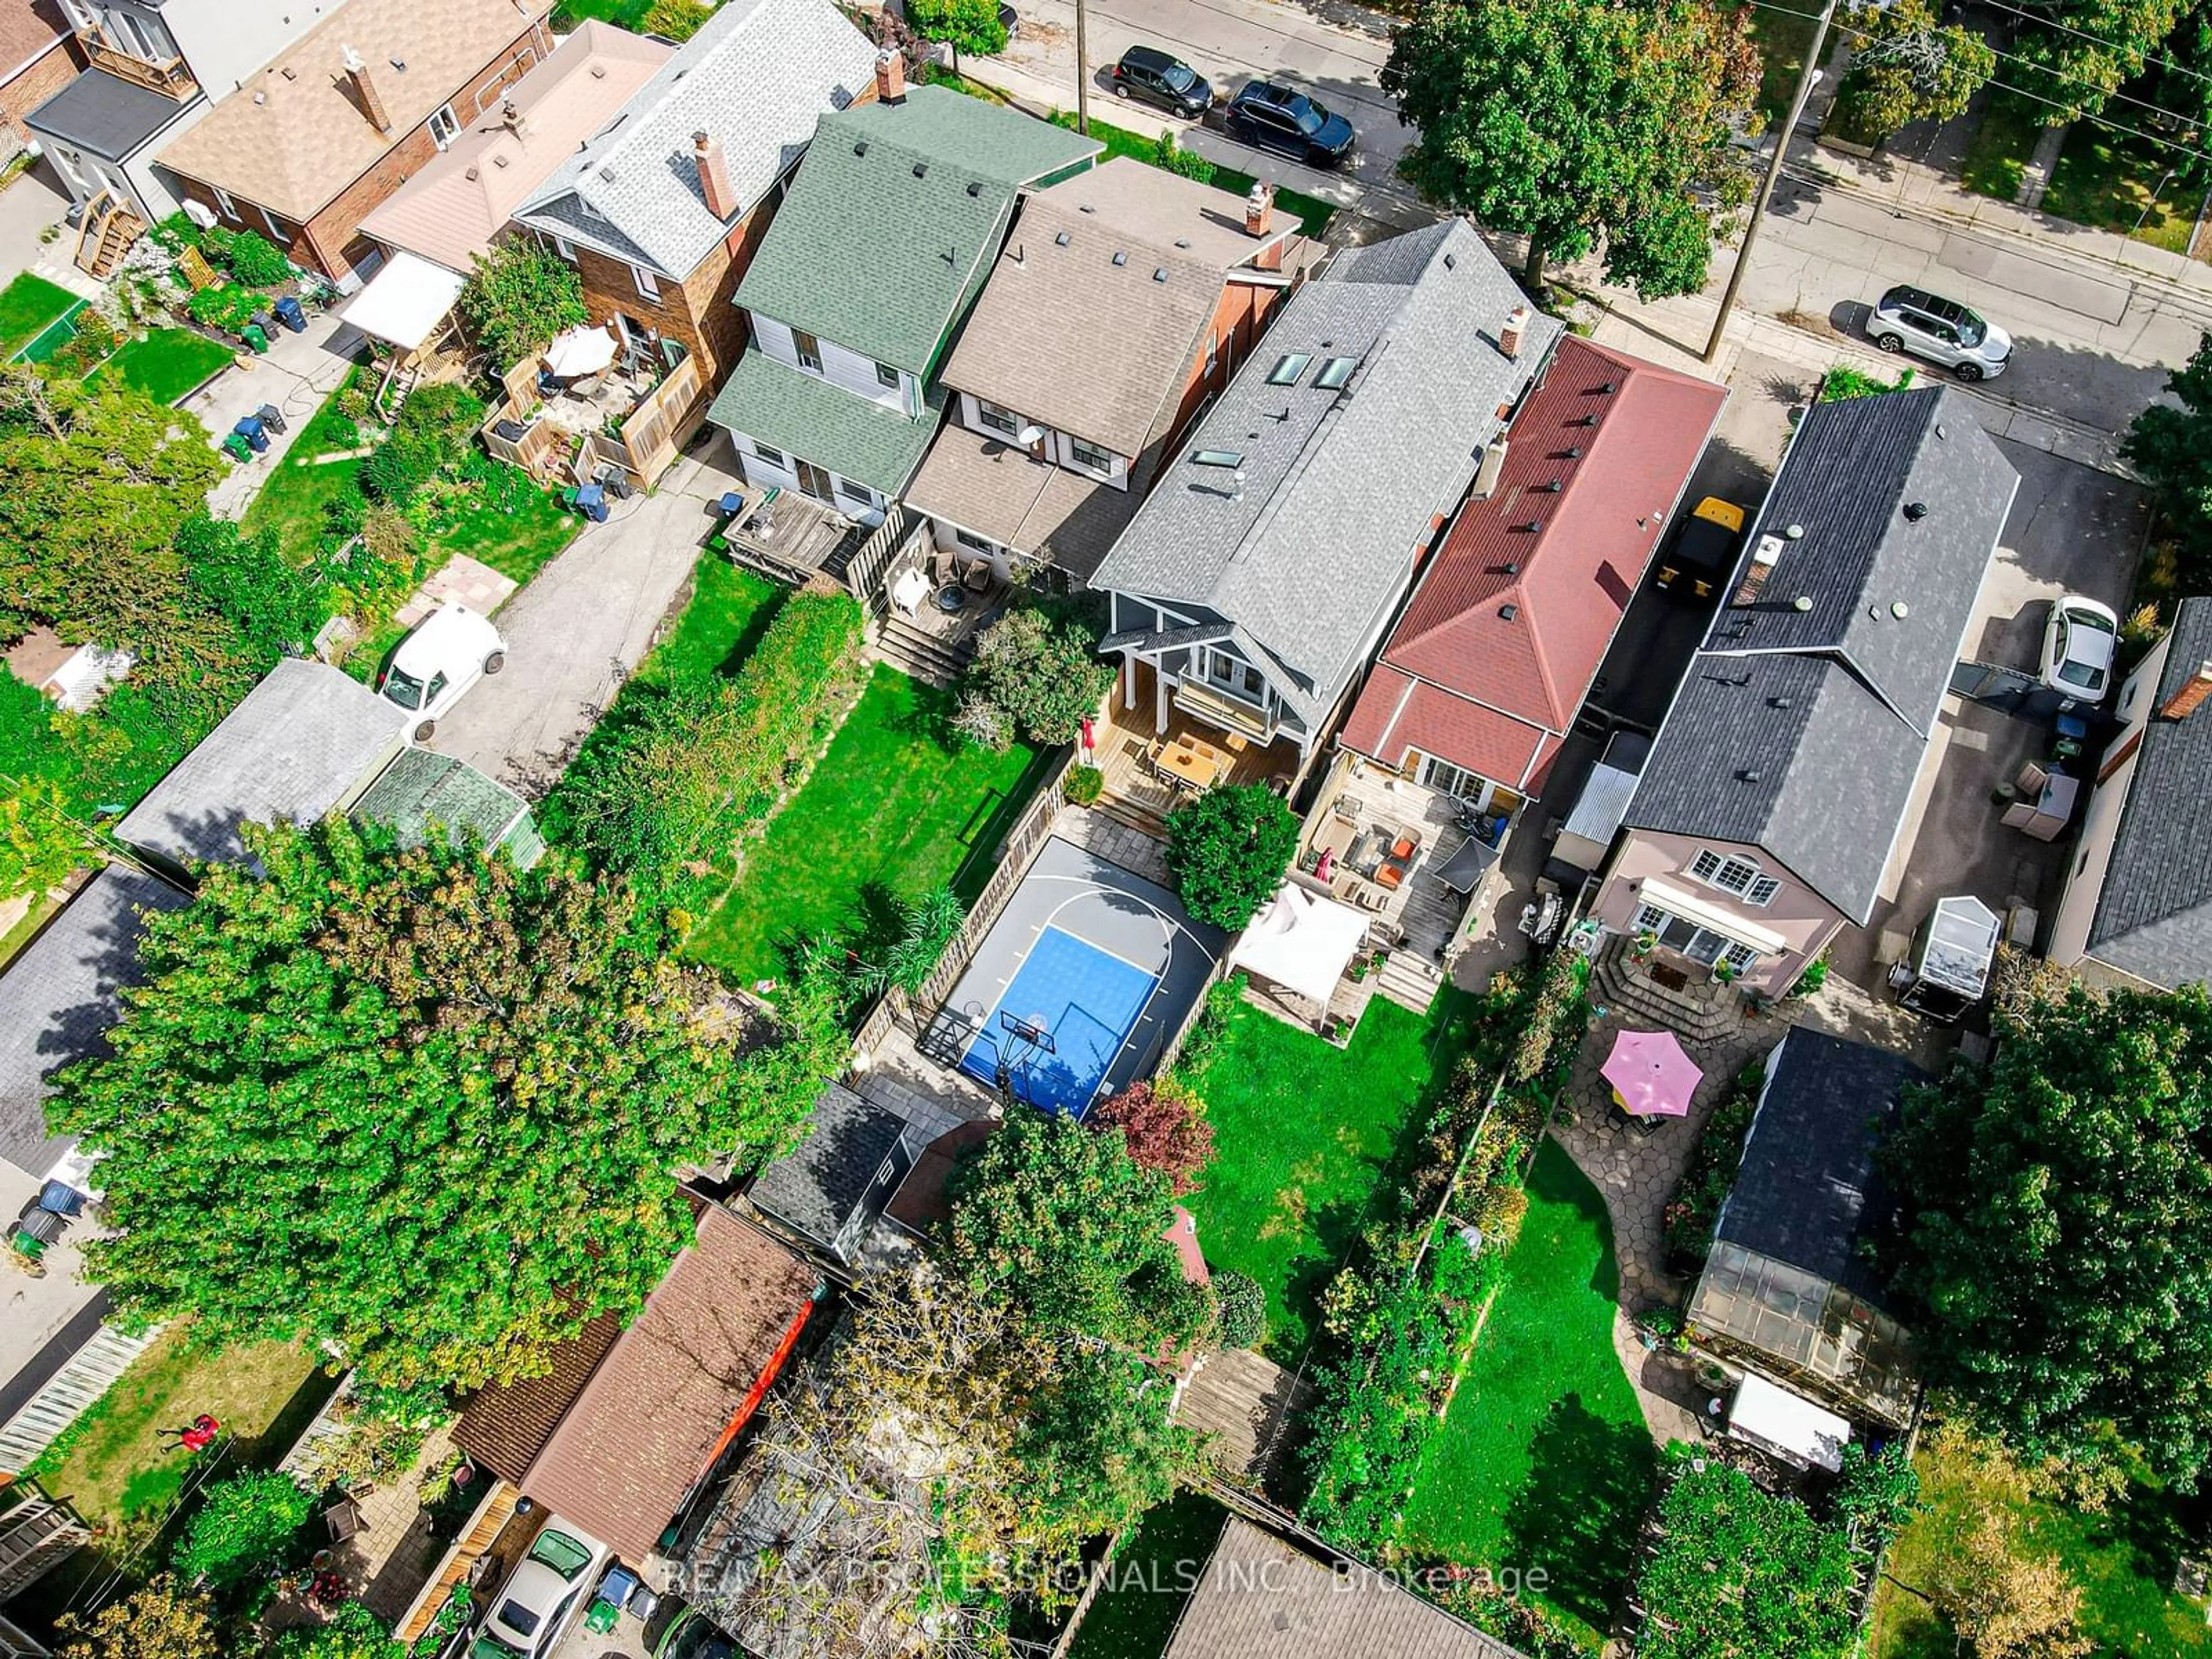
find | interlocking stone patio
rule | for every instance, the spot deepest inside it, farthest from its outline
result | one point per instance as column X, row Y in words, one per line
column 463, row 579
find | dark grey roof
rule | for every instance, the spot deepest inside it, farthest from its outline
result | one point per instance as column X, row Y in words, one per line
column 1816, row 690
column 816, row 1186
column 1339, row 489
column 298, row 745
column 105, row 114
column 2153, row 917
column 1808, row 1193
column 58, row 998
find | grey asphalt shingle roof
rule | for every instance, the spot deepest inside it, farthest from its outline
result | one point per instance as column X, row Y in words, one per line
column 816, row 1186
column 296, row 746
column 105, row 114
column 1808, row 1189
column 1339, row 489
column 757, row 78
column 2153, row 916
column 58, row 998
column 889, row 229
column 421, row 788
column 1789, row 708
column 806, row 416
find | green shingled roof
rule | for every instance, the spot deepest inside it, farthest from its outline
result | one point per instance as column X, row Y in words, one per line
column 807, row 417
column 894, row 217
column 420, row 788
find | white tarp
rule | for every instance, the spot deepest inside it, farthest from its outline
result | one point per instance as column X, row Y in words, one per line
column 405, row 302
column 1302, row 942
column 1795, row 1427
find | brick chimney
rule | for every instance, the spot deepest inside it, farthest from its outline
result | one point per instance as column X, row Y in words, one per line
column 1259, row 209
column 2183, row 703
column 713, row 175
column 364, row 91
column 890, row 76
column 1508, row 338
column 510, row 117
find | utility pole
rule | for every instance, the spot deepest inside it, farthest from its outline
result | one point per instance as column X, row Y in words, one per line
column 1807, row 80
column 1082, row 74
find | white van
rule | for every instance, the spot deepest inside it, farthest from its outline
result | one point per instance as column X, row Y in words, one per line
column 450, row 650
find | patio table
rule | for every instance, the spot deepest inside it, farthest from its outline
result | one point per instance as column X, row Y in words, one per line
column 1189, row 762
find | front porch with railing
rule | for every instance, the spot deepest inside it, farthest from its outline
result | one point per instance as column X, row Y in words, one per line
column 1149, row 769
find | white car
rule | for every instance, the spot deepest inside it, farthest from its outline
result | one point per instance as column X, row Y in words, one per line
column 533, row 1609
column 2079, row 642
column 450, row 650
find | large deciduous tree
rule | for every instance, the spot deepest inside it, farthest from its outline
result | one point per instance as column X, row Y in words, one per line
column 411, row 1105
column 1582, row 122
column 1045, row 677
column 1907, row 66
column 964, row 25
column 160, row 1619
column 2061, row 1224
column 520, row 294
column 1229, row 848
column 2073, row 55
column 2171, row 449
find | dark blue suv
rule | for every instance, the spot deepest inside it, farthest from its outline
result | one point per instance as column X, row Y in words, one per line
column 1270, row 116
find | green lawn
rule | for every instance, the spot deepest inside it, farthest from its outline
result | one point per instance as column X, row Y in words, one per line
column 28, row 306
column 1312, row 210
column 1998, row 154
column 294, row 497
column 517, row 544
column 898, row 805
column 167, row 363
column 1303, row 1135
column 2117, row 181
column 1545, row 1462
column 1782, row 38
column 1153, row 1572
column 622, row 13
column 724, row 619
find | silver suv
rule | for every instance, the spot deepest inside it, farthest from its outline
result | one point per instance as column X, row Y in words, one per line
column 1942, row 331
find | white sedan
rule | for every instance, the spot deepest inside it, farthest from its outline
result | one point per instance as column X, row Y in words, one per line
column 541, row 1596
column 2079, row 643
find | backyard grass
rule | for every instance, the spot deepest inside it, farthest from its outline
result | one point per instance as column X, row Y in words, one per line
column 28, row 306
column 1305, row 1134
column 1782, row 38
column 294, row 497
column 517, row 544
column 1314, row 213
column 728, row 610
column 167, row 363
column 1998, row 154
column 2117, row 181
column 111, row 1465
column 622, row 13
column 2123, row 1561
column 25, row 929
column 1545, row 1462
column 1152, row 1574
column 898, row 805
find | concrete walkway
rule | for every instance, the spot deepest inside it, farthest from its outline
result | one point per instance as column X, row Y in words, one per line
column 31, row 205
column 297, row 375
column 582, row 624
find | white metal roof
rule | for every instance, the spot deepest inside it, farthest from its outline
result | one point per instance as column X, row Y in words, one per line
column 1795, row 1426
column 406, row 300
column 1302, row 942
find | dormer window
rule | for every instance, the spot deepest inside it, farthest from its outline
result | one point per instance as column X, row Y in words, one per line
column 1737, row 876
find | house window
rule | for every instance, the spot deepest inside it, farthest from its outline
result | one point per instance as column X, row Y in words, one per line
column 1234, row 675
column 851, row 491
column 223, row 203
column 648, row 285
column 1452, row 780
column 997, row 419
column 972, row 542
column 565, row 248
column 1089, row 455
column 1700, row 944
column 1734, row 875
column 809, row 349
column 773, row 456
column 276, row 232
column 1212, row 351
column 445, row 127
column 886, row 375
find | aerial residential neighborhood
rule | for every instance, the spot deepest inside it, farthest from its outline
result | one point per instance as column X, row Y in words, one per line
column 971, row 830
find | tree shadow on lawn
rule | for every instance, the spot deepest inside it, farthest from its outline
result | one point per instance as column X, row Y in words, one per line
column 1334, row 1227
column 1576, row 1517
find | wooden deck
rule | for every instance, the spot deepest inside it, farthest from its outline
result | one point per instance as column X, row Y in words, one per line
column 1250, row 1404
column 801, row 538
column 1135, row 793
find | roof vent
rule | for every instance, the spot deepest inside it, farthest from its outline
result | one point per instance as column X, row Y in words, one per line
column 289, row 73
column 1588, row 420
column 470, row 175
column 1552, row 488
column 598, row 71
column 1531, row 527
column 922, row 169
column 1451, row 261
column 1119, row 257
column 1749, row 774
column 1916, row 511
column 1085, row 206
column 1899, row 610
column 1061, row 239
column 1777, row 702
column 1161, row 275
column 1795, row 533
column 1802, row 601
column 399, row 64
column 860, row 147
column 1508, row 612
column 1939, row 431
column 1608, row 388
column 1571, row 453
column 260, row 97
column 1182, row 242
column 1511, row 568
column 499, row 161
column 975, row 187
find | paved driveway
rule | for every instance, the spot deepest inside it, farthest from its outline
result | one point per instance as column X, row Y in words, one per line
column 583, row 623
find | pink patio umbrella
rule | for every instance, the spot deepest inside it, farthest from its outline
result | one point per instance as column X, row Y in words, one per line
column 1650, row 1075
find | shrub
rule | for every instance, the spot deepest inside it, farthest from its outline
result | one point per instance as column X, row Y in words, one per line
column 677, row 20
column 225, row 306
column 1229, row 849
column 983, row 723
column 1695, row 1209
column 1499, row 1211
column 1814, row 976
column 1184, row 163
column 246, row 1524
column 434, row 432
column 519, row 296
column 1045, row 675
column 1164, row 1125
column 1213, row 1022
column 1084, row 785
column 252, row 258
column 1243, row 1309
column 161, row 1619
column 1844, row 381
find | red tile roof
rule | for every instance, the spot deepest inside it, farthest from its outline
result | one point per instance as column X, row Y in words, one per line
column 1484, row 688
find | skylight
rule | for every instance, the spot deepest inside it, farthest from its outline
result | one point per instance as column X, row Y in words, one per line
column 1218, row 458
column 1335, row 372
column 1288, row 368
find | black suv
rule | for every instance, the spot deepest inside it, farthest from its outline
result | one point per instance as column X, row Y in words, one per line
column 1149, row 74
column 1283, row 119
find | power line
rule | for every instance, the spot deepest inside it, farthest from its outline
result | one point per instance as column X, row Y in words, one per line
column 2098, row 39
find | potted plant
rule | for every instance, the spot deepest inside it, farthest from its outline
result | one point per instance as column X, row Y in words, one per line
column 1661, row 1327
column 1644, row 945
column 1725, row 972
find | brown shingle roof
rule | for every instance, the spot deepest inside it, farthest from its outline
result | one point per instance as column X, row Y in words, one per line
column 293, row 137
column 508, row 1425
column 28, row 30
column 1006, row 494
column 661, row 1400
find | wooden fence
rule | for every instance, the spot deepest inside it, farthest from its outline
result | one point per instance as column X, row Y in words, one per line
column 491, row 1514
column 68, row 1393
column 651, row 437
column 871, row 560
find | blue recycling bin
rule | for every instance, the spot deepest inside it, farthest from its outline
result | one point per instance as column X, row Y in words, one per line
column 291, row 314
column 591, row 502
column 250, row 428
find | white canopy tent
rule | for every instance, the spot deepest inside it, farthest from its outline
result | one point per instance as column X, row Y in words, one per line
column 404, row 302
column 1303, row 943
column 1783, row 1422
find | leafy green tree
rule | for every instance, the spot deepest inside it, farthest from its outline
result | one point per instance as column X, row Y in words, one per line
column 1098, row 1447
column 1907, row 66
column 1062, row 1224
column 41, row 840
column 413, row 1105
column 2061, row 1224
column 2089, row 50
column 1877, row 1493
column 435, row 430
column 161, row 1618
column 246, row 580
column 2171, row 450
column 1578, row 124
column 1229, row 848
column 244, row 1524
column 520, row 294
column 351, row 1632
column 964, row 25
column 677, row 20
column 1043, row 676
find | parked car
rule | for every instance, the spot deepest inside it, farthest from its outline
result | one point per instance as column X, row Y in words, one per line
column 450, row 650
column 1941, row 330
column 1703, row 547
column 1151, row 76
column 2079, row 643
column 692, row 1637
column 1270, row 116
column 533, row 1609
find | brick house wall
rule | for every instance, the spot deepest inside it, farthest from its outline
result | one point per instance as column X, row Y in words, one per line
column 330, row 242
column 39, row 80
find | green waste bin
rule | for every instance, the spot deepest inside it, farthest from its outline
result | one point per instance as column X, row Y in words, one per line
column 601, row 1618
column 255, row 339
column 237, row 448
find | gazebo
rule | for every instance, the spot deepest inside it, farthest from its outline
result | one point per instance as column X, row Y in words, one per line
column 1301, row 943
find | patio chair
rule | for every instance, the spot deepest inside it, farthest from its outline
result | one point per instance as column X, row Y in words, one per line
column 343, row 1520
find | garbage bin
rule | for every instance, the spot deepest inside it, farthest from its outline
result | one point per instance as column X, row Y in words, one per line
column 257, row 340
column 237, row 448
column 290, row 312
column 249, row 427
column 270, row 416
column 591, row 502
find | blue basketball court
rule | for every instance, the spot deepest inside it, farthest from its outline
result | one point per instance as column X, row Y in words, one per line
column 1056, row 1032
